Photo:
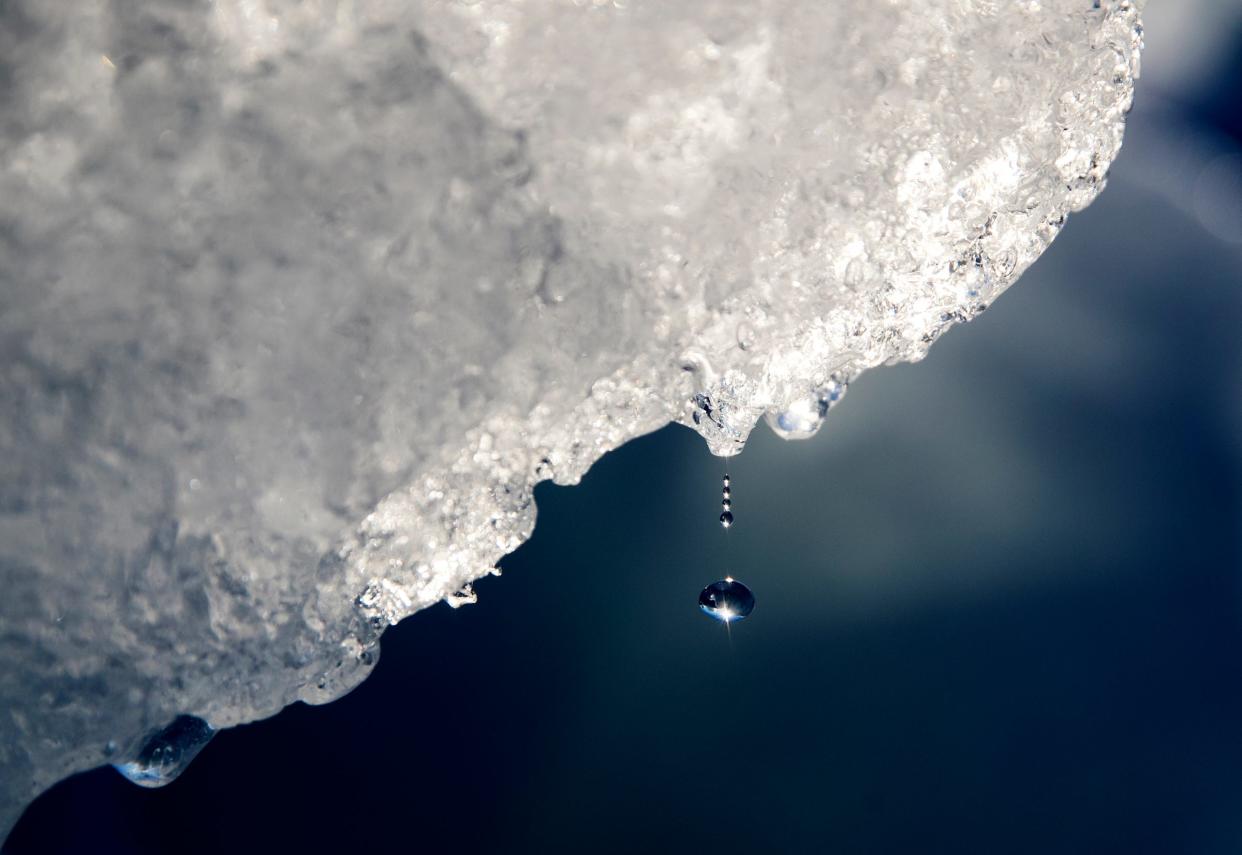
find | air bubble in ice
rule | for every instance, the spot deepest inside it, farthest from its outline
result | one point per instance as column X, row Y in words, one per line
column 168, row 752
column 801, row 420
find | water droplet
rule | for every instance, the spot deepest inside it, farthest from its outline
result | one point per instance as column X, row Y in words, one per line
column 726, row 505
column 727, row 600
column 726, row 481
column 726, row 519
column 726, row 493
column 168, row 752
column 800, row 420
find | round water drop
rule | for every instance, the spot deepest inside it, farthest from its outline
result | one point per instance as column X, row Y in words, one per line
column 727, row 600
column 726, row 519
column 801, row 420
column 726, row 505
column 168, row 752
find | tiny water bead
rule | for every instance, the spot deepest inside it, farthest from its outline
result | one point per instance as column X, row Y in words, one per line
column 726, row 519
column 168, row 752
column 727, row 600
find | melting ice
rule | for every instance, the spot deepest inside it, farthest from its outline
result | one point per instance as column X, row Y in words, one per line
column 301, row 299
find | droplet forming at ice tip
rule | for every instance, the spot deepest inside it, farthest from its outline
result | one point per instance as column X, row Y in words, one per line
column 803, row 418
column 727, row 600
column 168, row 752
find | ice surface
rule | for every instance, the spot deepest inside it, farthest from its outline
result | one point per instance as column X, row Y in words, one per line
column 300, row 298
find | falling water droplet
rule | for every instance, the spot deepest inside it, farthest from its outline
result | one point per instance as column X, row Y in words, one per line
column 726, row 519
column 855, row 273
column 726, row 505
column 168, row 752
column 727, row 600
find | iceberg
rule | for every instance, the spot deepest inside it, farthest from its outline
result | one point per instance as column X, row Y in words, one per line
column 299, row 299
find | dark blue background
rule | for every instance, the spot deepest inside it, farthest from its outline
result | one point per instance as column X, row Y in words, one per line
column 999, row 608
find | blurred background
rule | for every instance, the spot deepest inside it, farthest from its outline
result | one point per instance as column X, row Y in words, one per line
column 999, row 595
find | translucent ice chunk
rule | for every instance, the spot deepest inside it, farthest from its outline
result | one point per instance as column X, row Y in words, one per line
column 300, row 299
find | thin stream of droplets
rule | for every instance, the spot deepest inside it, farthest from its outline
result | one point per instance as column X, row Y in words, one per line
column 728, row 599
column 726, row 521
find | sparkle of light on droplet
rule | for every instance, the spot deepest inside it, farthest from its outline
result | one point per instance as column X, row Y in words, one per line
column 726, row 519
column 745, row 336
column 727, row 600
